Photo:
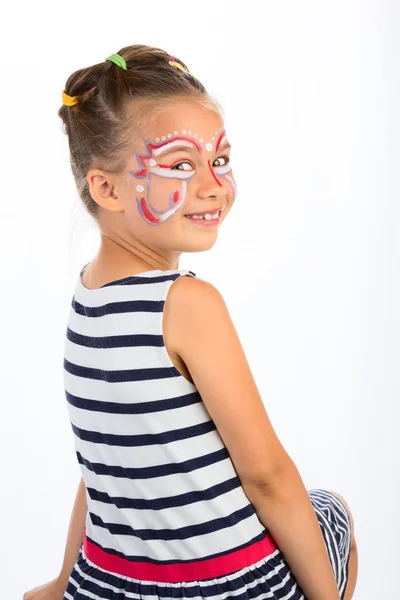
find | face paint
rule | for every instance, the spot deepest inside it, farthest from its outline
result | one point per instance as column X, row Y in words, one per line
column 225, row 169
column 213, row 174
column 147, row 213
column 149, row 166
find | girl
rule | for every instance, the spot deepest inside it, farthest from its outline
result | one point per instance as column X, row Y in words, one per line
column 186, row 491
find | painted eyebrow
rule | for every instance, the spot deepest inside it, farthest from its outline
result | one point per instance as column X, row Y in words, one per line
column 175, row 146
column 224, row 146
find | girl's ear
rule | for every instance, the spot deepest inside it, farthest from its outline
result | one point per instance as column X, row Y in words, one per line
column 103, row 191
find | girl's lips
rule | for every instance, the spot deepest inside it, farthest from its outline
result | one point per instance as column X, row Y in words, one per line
column 204, row 222
column 203, row 212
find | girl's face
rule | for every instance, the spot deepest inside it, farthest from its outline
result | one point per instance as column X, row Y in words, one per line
column 181, row 167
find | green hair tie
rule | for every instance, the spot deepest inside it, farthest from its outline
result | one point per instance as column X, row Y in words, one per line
column 117, row 60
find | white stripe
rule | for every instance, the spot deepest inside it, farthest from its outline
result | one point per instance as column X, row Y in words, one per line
column 224, row 169
column 158, row 487
column 127, row 391
column 162, row 422
column 195, row 547
column 172, row 173
column 176, row 517
column 182, row 201
column 172, row 144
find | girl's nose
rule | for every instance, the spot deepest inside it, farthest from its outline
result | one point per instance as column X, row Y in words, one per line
column 209, row 184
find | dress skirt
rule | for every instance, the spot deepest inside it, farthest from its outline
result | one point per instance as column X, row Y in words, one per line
column 269, row 578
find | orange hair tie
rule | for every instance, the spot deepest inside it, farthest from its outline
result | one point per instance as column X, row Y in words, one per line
column 69, row 100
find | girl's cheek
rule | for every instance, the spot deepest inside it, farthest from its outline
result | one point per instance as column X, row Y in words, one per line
column 229, row 178
column 158, row 190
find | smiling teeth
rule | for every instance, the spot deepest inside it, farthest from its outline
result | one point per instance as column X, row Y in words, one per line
column 207, row 216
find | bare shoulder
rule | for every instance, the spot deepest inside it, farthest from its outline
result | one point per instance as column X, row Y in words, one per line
column 202, row 334
column 189, row 294
column 189, row 285
column 190, row 302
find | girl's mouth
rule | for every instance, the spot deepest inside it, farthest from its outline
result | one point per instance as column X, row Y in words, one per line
column 209, row 219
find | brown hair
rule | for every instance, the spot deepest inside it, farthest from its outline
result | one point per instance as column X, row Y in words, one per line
column 100, row 127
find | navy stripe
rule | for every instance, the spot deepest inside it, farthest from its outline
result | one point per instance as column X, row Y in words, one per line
column 185, row 466
column 112, row 308
column 329, row 538
column 168, row 501
column 144, row 439
column 137, row 280
column 116, row 341
column 178, row 533
column 134, row 408
column 119, row 376
column 325, row 499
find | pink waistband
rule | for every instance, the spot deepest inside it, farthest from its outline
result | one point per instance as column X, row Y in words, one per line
column 179, row 572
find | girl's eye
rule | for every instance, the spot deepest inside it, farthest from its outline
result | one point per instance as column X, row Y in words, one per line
column 185, row 162
column 226, row 158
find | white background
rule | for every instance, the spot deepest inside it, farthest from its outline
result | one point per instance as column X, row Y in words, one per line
column 307, row 261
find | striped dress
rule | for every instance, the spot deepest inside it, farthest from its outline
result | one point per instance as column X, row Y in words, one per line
column 167, row 515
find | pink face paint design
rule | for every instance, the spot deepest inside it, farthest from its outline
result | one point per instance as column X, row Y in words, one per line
column 225, row 170
column 147, row 160
column 153, row 219
column 173, row 197
column 213, row 174
column 219, row 141
column 149, row 167
column 232, row 183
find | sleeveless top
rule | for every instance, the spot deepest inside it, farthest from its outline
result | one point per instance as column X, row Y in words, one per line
column 165, row 503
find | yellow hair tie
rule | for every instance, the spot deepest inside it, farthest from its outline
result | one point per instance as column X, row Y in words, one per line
column 177, row 65
column 69, row 100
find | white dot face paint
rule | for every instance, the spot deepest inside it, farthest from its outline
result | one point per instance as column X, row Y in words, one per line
column 209, row 146
column 152, row 162
column 139, row 188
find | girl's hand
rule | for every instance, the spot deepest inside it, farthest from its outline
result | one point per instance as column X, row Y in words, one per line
column 53, row 590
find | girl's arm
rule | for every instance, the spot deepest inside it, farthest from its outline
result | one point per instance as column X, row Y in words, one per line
column 75, row 534
column 198, row 329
